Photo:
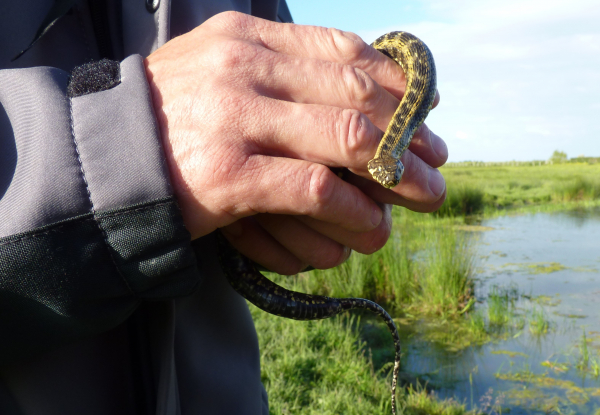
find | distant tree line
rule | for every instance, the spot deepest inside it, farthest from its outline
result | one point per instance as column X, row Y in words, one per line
column 556, row 158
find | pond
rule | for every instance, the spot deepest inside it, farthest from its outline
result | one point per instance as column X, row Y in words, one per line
column 543, row 271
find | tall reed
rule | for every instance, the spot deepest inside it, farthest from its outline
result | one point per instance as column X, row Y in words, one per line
column 462, row 200
column 426, row 267
column 445, row 280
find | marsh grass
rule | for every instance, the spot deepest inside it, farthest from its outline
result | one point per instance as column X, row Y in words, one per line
column 542, row 392
column 584, row 360
column 462, row 200
column 519, row 186
column 424, row 277
column 327, row 367
column 498, row 303
column 501, row 309
column 588, row 362
column 538, row 323
column 446, row 281
column 576, row 189
column 426, row 269
column 323, row 367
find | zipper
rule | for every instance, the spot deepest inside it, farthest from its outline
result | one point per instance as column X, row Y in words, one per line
column 99, row 16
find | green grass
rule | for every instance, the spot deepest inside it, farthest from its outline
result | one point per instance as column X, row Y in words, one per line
column 446, row 283
column 426, row 268
column 323, row 367
column 588, row 361
column 326, row 367
column 538, row 323
column 462, row 200
column 474, row 189
column 501, row 307
column 424, row 277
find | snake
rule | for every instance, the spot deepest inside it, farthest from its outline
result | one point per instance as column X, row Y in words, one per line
column 386, row 168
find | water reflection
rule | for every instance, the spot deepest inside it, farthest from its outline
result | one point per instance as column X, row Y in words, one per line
column 551, row 263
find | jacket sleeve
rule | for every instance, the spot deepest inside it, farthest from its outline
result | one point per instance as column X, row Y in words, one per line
column 89, row 226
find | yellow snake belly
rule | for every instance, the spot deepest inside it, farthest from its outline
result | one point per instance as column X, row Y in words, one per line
column 416, row 60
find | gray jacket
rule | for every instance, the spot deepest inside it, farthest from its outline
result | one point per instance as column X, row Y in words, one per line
column 106, row 307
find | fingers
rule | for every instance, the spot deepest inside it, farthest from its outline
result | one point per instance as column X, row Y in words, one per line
column 287, row 244
column 314, row 65
column 310, row 247
column 314, row 81
column 391, row 196
column 348, row 138
column 248, row 237
column 262, row 112
column 297, row 187
column 327, row 44
column 364, row 243
column 429, row 147
column 283, row 244
column 319, row 133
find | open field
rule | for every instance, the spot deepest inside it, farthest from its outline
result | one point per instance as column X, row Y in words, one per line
column 425, row 277
column 486, row 189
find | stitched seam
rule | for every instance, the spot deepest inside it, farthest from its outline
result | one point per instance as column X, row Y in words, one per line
column 89, row 192
column 39, row 234
column 94, row 219
column 158, row 25
column 59, row 227
column 110, row 215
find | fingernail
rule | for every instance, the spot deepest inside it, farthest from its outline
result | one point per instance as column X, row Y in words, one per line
column 439, row 146
column 376, row 216
column 347, row 253
column 235, row 229
column 436, row 182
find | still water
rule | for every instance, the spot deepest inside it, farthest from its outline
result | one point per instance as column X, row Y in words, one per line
column 547, row 267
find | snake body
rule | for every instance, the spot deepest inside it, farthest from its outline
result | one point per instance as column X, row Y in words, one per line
column 417, row 62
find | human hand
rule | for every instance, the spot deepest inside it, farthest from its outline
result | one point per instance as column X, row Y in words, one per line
column 252, row 112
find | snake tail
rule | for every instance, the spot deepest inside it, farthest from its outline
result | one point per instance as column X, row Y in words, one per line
column 418, row 65
column 242, row 275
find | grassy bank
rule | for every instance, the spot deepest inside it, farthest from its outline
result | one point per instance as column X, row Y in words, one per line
column 425, row 277
column 485, row 189
column 324, row 368
column 425, row 269
column 337, row 366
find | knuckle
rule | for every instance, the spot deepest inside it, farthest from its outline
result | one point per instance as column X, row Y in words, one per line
column 320, row 188
column 362, row 87
column 230, row 19
column 233, row 56
column 349, row 46
column 353, row 132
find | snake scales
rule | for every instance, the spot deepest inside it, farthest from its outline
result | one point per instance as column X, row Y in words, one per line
column 419, row 68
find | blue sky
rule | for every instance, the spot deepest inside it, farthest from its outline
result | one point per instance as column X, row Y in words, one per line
column 518, row 78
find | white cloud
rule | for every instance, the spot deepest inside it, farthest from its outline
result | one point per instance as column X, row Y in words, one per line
column 461, row 135
column 518, row 78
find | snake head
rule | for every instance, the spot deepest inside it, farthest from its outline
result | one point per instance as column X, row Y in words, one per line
column 386, row 170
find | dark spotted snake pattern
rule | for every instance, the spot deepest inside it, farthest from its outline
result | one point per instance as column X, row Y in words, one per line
column 417, row 63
